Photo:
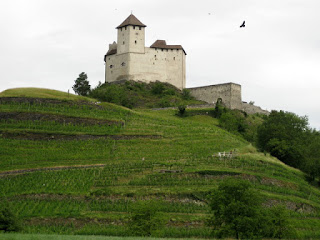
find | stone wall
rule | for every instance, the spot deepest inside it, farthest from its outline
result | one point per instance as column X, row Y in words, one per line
column 251, row 109
column 164, row 65
column 230, row 94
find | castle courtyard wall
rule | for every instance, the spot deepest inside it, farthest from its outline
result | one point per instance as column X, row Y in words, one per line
column 230, row 94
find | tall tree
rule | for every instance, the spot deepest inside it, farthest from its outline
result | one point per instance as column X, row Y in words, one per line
column 283, row 134
column 235, row 210
column 81, row 85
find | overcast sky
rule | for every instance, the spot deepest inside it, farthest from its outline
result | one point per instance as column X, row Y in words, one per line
column 275, row 58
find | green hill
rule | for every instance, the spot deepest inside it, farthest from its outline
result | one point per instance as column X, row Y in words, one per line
column 80, row 167
column 41, row 93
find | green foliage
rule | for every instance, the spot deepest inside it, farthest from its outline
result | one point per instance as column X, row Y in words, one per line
column 283, row 135
column 233, row 121
column 181, row 109
column 158, row 88
column 138, row 94
column 312, row 151
column 238, row 122
column 186, row 95
column 278, row 223
column 9, row 222
column 235, row 210
column 145, row 219
column 81, row 85
column 219, row 109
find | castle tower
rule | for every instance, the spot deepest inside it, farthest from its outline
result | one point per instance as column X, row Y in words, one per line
column 131, row 36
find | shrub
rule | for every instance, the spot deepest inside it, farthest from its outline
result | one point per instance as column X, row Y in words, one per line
column 186, row 95
column 9, row 221
column 182, row 109
column 157, row 88
column 145, row 219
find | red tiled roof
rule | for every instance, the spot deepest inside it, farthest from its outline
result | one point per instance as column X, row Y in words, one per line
column 131, row 20
column 163, row 45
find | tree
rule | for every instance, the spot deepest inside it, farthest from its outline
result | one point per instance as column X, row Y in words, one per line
column 279, row 223
column 145, row 219
column 81, row 85
column 235, row 210
column 283, row 135
column 312, row 151
column 8, row 220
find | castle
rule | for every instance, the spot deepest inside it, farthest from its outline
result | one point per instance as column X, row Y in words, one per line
column 129, row 59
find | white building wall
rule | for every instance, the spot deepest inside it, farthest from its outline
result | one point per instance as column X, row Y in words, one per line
column 116, row 67
column 159, row 65
column 131, row 39
column 164, row 65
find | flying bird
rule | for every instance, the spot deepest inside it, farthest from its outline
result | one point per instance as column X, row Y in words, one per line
column 243, row 24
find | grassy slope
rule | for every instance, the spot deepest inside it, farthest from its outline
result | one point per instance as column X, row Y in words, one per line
column 92, row 197
column 70, row 237
column 41, row 93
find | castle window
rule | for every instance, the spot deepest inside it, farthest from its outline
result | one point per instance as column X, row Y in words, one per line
column 111, row 66
column 123, row 42
column 162, row 50
column 139, row 28
column 125, row 28
column 171, row 50
column 123, row 64
column 109, row 58
column 174, row 58
column 134, row 27
column 121, row 29
column 135, row 41
column 155, row 56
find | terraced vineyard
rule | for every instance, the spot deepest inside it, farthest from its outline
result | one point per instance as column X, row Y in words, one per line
column 80, row 167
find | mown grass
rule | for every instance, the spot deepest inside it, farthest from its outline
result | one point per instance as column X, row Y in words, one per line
column 16, row 236
column 98, row 200
column 42, row 93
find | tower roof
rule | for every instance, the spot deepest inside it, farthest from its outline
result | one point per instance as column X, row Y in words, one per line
column 131, row 20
